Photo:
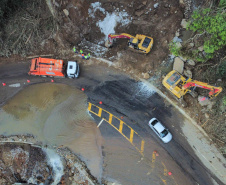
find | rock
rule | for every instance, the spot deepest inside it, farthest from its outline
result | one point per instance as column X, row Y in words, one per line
column 183, row 23
column 146, row 75
column 188, row 73
column 166, row 5
column 191, row 45
column 178, row 65
column 156, row 5
column 181, row 2
column 139, row 13
column 204, row 101
column 66, row 12
column 177, row 34
column 191, row 62
column 144, row 2
column 178, row 45
column 207, row 116
column 200, row 48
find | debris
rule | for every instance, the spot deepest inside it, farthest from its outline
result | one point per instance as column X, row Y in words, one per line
column 15, row 85
column 156, row 5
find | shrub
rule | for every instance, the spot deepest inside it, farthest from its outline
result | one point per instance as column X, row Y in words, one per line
column 211, row 24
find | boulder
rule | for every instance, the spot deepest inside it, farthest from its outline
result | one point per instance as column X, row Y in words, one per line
column 66, row 12
column 203, row 101
column 183, row 23
column 188, row 73
column 146, row 75
column 139, row 13
column 178, row 65
column 144, row 2
column 191, row 62
column 200, row 48
column 181, row 2
column 191, row 45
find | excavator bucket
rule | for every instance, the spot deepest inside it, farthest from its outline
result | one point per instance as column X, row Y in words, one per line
column 108, row 44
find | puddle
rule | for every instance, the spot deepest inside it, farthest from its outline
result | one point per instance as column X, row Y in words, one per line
column 56, row 114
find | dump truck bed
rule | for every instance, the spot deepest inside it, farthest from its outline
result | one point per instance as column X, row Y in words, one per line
column 47, row 67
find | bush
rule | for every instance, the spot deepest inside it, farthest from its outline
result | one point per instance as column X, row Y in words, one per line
column 174, row 49
column 211, row 24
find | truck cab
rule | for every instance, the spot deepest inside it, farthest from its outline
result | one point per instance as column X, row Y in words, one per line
column 72, row 69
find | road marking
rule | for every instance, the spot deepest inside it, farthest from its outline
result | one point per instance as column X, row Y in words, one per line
column 166, row 173
column 165, row 169
column 120, row 129
column 110, row 118
column 100, row 112
column 131, row 135
column 152, row 163
column 164, row 181
column 100, row 123
column 120, row 126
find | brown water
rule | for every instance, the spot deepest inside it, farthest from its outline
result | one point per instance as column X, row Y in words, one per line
column 55, row 114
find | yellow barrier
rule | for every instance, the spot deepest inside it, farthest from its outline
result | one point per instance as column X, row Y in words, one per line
column 120, row 129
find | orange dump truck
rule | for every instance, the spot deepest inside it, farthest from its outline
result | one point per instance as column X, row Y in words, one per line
column 54, row 68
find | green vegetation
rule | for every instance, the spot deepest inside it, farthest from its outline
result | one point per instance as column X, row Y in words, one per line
column 224, row 100
column 209, row 27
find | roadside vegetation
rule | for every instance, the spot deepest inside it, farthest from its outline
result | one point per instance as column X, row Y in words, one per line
column 22, row 29
column 206, row 47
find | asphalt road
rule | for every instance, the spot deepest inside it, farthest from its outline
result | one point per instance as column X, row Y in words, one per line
column 135, row 104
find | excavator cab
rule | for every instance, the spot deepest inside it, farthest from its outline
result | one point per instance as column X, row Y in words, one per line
column 133, row 43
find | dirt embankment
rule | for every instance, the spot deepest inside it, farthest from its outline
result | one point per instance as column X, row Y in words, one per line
column 54, row 27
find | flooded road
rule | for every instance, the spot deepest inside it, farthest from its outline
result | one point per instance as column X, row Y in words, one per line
column 56, row 114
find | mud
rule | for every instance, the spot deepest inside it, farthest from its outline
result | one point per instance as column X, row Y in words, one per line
column 56, row 115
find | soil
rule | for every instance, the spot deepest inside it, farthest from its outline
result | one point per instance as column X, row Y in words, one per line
column 23, row 160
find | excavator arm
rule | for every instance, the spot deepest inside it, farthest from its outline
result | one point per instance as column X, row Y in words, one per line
column 121, row 35
column 111, row 38
column 214, row 91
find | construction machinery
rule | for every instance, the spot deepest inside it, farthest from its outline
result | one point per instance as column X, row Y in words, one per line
column 139, row 43
column 54, row 68
column 179, row 86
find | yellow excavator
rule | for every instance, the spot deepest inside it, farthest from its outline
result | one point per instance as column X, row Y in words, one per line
column 139, row 43
column 179, row 86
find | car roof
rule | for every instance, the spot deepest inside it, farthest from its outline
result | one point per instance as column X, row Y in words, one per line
column 159, row 127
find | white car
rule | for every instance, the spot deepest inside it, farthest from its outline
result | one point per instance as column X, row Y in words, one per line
column 160, row 130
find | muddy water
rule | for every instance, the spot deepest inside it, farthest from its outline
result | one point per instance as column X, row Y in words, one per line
column 55, row 114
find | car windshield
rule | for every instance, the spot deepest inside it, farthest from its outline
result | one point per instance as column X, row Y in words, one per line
column 154, row 122
column 164, row 133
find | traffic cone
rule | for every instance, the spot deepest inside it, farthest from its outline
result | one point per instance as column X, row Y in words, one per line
column 100, row 102
column 28, row 81
column 83, row 89
column 52, row 80
column 121, row 117
column 4, row 84
column 169, row 173
column 156, row 153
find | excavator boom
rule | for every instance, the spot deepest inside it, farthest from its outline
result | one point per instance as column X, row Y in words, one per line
column 214, row 91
